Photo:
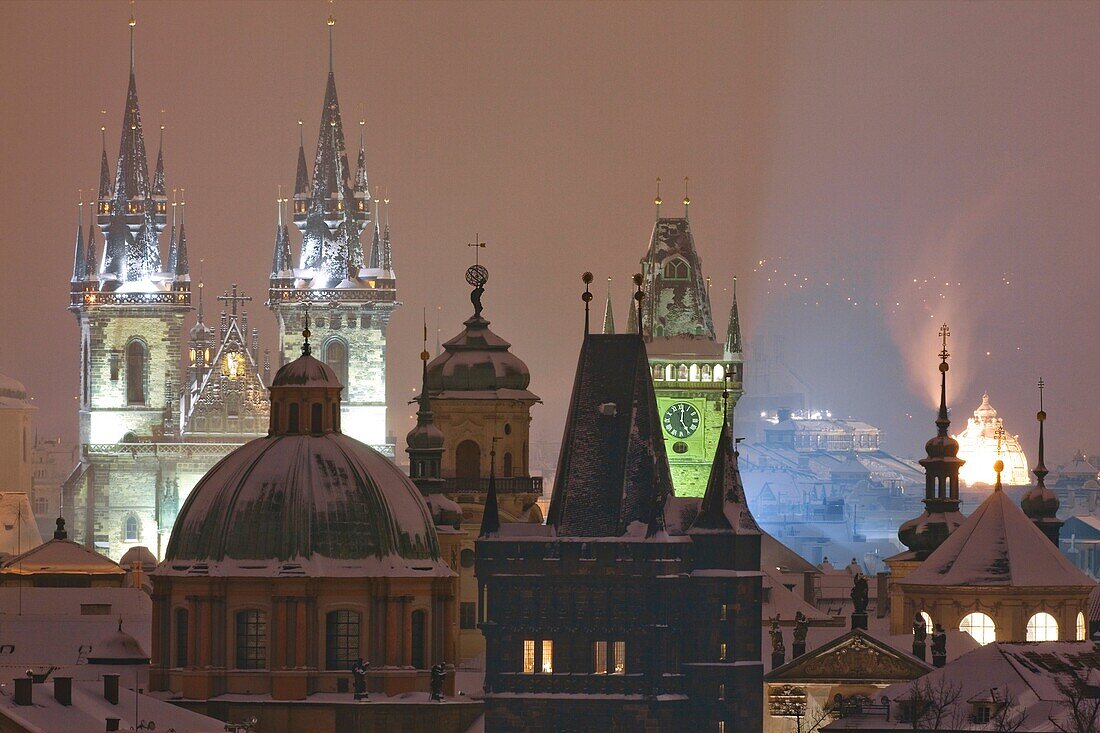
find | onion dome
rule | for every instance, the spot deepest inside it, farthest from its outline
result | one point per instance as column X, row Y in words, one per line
column 305, row 499
column 118, row 648
column 477, row 363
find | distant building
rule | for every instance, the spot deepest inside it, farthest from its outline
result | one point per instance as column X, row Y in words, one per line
column 16, row 436
column 50, row 465
column 688, row 361
column 984, row 441
column 629, row 609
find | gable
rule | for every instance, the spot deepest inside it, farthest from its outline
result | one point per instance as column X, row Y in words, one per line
column 855, row 657
column 231, row 390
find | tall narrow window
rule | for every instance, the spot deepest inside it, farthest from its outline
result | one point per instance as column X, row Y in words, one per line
column 725, row 611
column 132, row 530
column 87, row 383
column 181, row 637
column 721, row 690
column 547, row 656
column 618, row 657
column 251, row 640
column 1082, row 631
column 419, row 621
column 135, row 373
column 292, row 418
column 507, row 465
column 468, row 460
column 341, row 639
column 599, row 657
column 528, row 656
column 316, row 414
column 722, row 651
column 336, row 356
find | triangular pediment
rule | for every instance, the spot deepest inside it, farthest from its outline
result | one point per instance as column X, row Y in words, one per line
column 232, row 386
column 854, row 657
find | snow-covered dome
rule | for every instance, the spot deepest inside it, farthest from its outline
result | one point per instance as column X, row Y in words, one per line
column 477, row 362
column 12, row 392
column 140, row 554
column 306, row 499
column 118, row 648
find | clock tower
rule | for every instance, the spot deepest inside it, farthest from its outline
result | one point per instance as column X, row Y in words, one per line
column 688, row 363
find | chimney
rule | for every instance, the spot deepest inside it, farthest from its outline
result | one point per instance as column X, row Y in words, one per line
column 23, row 686
column 63, row 690
column 110, row 689
column 112, row 724
column 808, row 592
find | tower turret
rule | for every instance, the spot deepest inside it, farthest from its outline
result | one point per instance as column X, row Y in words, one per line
column 941, row 514
column 80, row 264
column 425, row 441
column 331, row 210
column 1041, row 504
column 608, row 315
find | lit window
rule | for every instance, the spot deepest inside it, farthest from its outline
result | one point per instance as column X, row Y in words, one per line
column 528, row 656
column 599, row 654
column 721, row 726
column 722, row 651
column 982, row 714
column 980, row 626
column 927, row 621
column 135, row 373
column 725, row 611
column 547, row 656
column 722, row 691
column 1082, row 632
column 1042, row 627
column 132, row 531
column 618, row 652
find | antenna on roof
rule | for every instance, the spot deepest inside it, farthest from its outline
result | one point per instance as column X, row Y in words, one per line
column 586, row 278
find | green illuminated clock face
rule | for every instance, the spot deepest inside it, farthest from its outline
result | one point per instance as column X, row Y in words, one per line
column 681, row 419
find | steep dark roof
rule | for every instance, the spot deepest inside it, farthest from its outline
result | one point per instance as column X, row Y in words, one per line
column 612, row 470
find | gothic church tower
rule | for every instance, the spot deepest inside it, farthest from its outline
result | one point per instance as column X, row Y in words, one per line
column 347, row 291
column 688, row 362
column 130, row 307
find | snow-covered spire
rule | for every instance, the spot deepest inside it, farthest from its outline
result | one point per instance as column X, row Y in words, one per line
column 182, row 269
column 158, row 175
column 79, row 262
column 733, row 327
column 132, row 169
column 91, row 262
column 281, row 260
column 724, row 507
column 104, row 169
column 173, row 243
column 490, row 518
column 1041, row 504
column 385, row 252
column 608, row 316
column 301, row 178
column 361, row 186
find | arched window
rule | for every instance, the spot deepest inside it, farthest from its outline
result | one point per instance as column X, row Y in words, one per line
column 135, row 373
column 132, row 530
column 336, row 356
column 1082, row 629
column 928, row 625
column 693, row 373
column 251, row 640
column 706, row 373
column 682, row 372
column 316, row 414
column 668, row 372
column 341, row 639
column 980, row 626
column 468, row 460
column 719, row 373
column 292, row 418
column 507, row 465
column 419, row 622
column 41, row 505
column 181, row 637
column 658, row 372
column 1042, row 627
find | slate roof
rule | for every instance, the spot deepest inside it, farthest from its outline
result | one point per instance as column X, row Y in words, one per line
column 612, row 470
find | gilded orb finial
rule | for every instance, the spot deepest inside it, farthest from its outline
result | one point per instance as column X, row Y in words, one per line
column 331, row 21
column 657, row 198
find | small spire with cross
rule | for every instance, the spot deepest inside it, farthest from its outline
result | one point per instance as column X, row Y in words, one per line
column 657, row 198
column 687, row 199
column 477, row 244
column 234, row 299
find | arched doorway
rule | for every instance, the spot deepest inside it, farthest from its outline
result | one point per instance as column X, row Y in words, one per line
column 468, row 460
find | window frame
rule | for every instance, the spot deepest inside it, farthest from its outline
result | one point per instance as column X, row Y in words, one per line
column 340, row 638
column 250, row 644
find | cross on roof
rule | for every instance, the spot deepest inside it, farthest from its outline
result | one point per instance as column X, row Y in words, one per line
column 234, row 299
column 999, row 433
column 944, row 333
column 478, row 245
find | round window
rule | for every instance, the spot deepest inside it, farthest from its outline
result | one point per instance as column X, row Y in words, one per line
column 680, row 447
column 507, row 428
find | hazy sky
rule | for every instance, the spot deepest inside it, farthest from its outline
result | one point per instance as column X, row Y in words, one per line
column 857, row 149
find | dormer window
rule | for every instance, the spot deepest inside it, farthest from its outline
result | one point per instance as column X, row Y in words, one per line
column 676, row 269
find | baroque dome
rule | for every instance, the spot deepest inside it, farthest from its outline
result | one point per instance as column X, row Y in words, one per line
column 304, row 500
column 478, row 363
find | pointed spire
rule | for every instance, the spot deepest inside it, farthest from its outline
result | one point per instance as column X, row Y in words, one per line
column 385, row 252
column 182, row 267
column 733, row 327
column 725, row 494
column 133, row 22
column 79, row 263
column 281, row 260
column 132, row 169
column 158, row 176
column 301, row 178
column 490, row 519
column 639, row 296
column 631, row 317
column 361, row 186
column 104, row 168
column 1041, row 504
column 91, row 264
column 608, row 316
column 942, row 420
column 1041, row 468
column 173, row 243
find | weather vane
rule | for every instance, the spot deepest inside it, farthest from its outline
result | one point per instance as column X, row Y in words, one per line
column 477, row 275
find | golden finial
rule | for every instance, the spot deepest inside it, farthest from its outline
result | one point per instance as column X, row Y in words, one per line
column 132, row 21
column 687, row 200
column 657, row 198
